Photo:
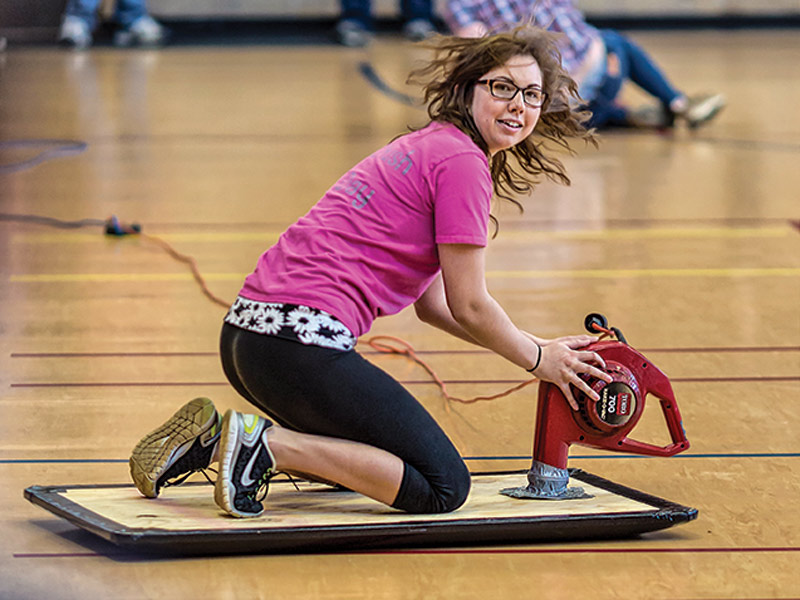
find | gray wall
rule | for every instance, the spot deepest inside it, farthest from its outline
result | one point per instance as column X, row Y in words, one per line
column 329, row 8
column 37, row 20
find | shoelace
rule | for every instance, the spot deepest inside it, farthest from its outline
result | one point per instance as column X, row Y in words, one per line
column 260, row 493
column 179, row 480
column 262, row 487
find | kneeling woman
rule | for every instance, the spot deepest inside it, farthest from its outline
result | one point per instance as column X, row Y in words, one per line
column 407, row 225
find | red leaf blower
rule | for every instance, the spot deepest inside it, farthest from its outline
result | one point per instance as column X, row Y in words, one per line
column 603, row 423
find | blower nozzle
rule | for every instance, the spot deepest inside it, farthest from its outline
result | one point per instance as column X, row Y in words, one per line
column 546, row 482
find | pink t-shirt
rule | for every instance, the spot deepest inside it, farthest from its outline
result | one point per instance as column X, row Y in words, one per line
column 368, row 247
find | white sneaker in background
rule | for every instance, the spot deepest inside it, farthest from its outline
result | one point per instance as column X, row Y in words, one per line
column 145, row 31
column 702, row 109
column 352, row 34
column 418, row 30
column 75, row 33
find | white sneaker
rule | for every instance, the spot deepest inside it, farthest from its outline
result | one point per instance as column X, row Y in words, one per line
column 352, row 34
column 246, row 464
column 75, row 33
column 702, row 109
column 145, row 31
column 418, row 30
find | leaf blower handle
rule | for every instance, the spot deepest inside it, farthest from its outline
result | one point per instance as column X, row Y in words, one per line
column 656, row 383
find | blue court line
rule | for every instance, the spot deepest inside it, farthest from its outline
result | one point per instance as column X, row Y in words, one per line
column 576, row 456
column 617, row 456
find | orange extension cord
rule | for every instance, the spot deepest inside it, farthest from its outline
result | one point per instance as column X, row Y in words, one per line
column 185, row 258
column 378, row 342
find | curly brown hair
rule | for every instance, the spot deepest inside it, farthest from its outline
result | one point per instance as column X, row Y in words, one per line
column 448, row 82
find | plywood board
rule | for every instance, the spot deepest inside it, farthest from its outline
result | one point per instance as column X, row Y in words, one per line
column 185, row 520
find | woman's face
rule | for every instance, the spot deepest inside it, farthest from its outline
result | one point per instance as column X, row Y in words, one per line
column 505, row 123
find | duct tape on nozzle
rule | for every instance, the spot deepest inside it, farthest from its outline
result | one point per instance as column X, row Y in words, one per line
column 546, row 482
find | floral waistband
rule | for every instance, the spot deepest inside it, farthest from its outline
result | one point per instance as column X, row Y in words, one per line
column 304, row 324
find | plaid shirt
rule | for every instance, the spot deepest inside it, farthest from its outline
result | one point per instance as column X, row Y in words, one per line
column 561, row 16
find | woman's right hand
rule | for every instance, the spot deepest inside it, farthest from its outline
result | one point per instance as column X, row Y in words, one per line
column 562, row 362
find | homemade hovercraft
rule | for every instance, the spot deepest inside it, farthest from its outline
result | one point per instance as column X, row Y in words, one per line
column 312, row 517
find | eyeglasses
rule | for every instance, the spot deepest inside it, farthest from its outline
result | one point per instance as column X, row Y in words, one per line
column 505, row 90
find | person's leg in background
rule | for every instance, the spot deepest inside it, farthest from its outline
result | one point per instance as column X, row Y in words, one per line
column 80, row 20
column 136, row 26
column 418, row 15
column 637, row 66
column 355, row 23
column 606, row 112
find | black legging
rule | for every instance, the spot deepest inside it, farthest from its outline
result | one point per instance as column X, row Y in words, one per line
column 340, row 394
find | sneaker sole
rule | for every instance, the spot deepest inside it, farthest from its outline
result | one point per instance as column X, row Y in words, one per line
column 162, row 447
column 224, row 490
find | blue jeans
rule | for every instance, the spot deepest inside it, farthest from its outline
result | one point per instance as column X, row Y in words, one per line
column 634, row 64
column 360, row 10
column 126, row 12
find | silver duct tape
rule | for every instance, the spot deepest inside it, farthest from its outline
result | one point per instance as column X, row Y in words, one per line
column 546, row 482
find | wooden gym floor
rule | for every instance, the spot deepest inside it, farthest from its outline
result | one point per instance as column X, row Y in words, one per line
column 688, row 242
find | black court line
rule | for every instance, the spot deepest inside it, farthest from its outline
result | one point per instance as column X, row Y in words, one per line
column 49, row 149
column 65, row 554
column 485, row 551
column 611, row 456
column 96, row 384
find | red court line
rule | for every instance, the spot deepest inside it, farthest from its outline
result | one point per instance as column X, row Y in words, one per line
column 585, row 550
column 711, row 349
column 581, row 550
column 538, row 224
column 733, row 379
column 725, row 349
column 757, row 379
